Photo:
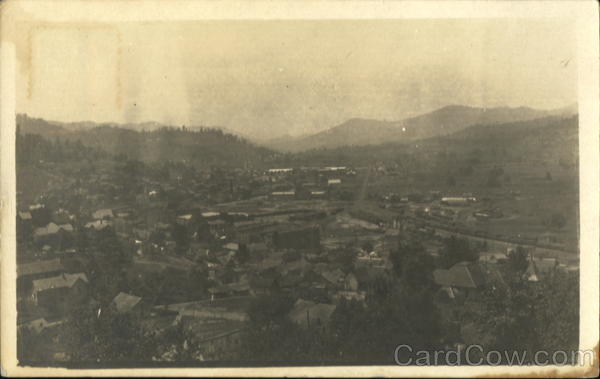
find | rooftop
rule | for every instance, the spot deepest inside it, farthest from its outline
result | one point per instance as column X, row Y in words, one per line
column 39, row 267
column 60, row 281
column 463, row 274
column 125, row 302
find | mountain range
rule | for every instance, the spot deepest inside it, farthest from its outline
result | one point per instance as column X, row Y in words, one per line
column 211, row 146
column 206, row 146
column 443, row 121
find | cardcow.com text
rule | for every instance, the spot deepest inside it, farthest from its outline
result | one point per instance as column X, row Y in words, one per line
column 476, row 355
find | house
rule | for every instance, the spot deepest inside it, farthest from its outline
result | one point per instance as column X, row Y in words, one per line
column 279, row 170
column 61, row 216
column 55, row 236
column 24, row 216
column 283, row 194
column 35, row 207
column 465, row 276
column 61, row 290
column 103, row 214
column 334, row 168
column 456, row 201
column 98, row 224
column 308, row 314
column 51, row 229
column 493, row 257
column 538, row 268
column 126, row 303
column 232, row 246
column 457, row 285
column 184, row 219
column 335, row 277
column 210, row 215
column 40, row 269
column 28, row 272
column 371, row 259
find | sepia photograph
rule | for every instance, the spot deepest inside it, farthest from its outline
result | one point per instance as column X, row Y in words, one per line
column 355, row 186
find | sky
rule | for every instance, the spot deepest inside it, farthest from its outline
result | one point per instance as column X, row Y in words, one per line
column 270, row 78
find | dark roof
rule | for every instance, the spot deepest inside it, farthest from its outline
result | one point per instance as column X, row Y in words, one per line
column 304, row 309
column 60, row 281
column 463, row 274
column 203, row 331
column 39, row 267
column 334, row 276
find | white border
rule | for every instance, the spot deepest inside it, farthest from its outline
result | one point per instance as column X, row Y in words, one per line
column 584, row 12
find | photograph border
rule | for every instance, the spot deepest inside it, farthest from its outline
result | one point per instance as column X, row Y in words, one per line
column 585, row 17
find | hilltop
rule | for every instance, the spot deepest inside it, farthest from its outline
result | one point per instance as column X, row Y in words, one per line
column 549, row 139
column 198, row 145
column 444, row 121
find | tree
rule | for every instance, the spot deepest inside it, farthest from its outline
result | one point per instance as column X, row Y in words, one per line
column 456, row 250
column 518, row 260
column 270, row 310
column 108, row 337
column 108, row 263
column 412, row 264
column 370, row 333
column 523, row 316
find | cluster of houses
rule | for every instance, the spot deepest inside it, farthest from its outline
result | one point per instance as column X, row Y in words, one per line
column 241, row 255
column 306, row 183
column 214, row 259
column 461, row 286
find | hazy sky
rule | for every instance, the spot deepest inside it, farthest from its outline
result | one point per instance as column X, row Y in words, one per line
column 274, row 77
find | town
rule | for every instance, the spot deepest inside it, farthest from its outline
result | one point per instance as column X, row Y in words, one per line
column 122, row 260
